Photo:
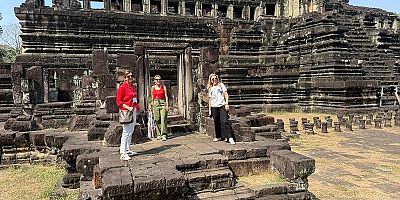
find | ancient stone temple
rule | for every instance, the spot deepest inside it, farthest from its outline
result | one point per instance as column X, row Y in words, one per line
column 272, row 54
column 311, row 55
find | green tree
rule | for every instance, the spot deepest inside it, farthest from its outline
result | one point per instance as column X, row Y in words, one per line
column 7, row 54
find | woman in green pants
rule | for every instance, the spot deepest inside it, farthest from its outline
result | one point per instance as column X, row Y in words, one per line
column 159, row 106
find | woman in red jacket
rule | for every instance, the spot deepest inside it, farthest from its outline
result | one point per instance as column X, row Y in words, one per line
column 127, row 101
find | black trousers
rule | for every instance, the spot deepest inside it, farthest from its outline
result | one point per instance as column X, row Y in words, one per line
column 222, row 127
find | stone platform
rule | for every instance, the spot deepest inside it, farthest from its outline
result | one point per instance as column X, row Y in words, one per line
column 186, row 166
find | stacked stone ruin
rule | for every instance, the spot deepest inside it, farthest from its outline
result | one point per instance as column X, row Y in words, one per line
column 6, row 98
column 309, row 55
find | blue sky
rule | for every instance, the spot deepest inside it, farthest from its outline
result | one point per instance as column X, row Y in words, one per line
column 7, row 7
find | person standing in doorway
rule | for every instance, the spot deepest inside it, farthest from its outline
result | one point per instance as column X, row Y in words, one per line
column 159, row 106
column 218, row 107
column 128, row 107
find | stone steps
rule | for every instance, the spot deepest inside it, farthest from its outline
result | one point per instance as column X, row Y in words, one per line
column 234, row 193
column 210, row 179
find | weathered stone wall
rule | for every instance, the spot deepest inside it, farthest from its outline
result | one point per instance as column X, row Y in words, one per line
column 343, row 59
column 320, row 55
column 6, row 98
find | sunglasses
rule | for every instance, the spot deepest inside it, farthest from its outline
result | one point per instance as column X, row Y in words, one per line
column 129, row 76
column 157, row 79
column 214, row 79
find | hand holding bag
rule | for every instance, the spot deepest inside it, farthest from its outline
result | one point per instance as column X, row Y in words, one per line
column 125, row 116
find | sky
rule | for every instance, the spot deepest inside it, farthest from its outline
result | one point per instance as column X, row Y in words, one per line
column 7, row 7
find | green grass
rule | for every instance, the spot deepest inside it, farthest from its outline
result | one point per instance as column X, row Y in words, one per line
column 31, row 182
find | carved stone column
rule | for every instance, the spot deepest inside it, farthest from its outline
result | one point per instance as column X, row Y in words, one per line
column 16, row 77
column 229, row 12
column 246, row 12
column 182, row 8
column 86, row 4
column 214, row 11
column 181, row 85
column 146, row 6
column 188, row 79
column 107, row 5
column 164, row 7
column 197, row 9
column 277, row 10
column 46, row 86
column 127, row 5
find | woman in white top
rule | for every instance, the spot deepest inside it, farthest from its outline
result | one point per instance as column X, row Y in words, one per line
column 218, row 106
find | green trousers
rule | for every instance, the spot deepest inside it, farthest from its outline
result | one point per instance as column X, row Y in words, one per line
column 160, row 116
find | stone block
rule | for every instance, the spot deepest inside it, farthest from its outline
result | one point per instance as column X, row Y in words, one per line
column 96, row 133
column 111, row 105
column 80, row 122
column 22, row 126
column 49, row 140
column 209, row 54
column 137, row 134
column 276, row 146
column 209, row 68
column 24, row 118
column 7, row 139
column 242, row 133
column 139, row 50
column 59, row 141
column 239, row 111
column 270, row 189
column 149, row 187
column 85, row 111
column 37, row 139
column 71, row 180
column 235, row 154
column 100, row 62
column 88, row 192
column 104, row 92
column 8, row 124
column 107, row 81
column 293, row 166
column 104, row 117
column 21, row 139
column 85, row 164
column 118, row 184
column 113, row 134
column 250, row 166
column 127, row 60
column 99, row 124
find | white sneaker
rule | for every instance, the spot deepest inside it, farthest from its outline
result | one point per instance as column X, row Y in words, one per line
column 216, row 140
column 232, row 141
column 125, row 157
column 131, row 153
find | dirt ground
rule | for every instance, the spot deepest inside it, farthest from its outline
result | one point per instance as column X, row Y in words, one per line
column 362, row 164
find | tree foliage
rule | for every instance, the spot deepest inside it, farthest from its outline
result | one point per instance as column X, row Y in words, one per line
column 10, row 42
column 7, row 54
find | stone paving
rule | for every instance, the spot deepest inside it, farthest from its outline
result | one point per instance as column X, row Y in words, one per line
column 187, row 166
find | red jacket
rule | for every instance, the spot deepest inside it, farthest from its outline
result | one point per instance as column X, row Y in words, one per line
column 125, row 95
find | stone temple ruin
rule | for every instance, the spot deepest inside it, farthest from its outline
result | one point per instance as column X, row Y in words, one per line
column 308, row 55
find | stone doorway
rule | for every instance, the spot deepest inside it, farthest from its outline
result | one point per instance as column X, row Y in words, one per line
column 174, row 64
